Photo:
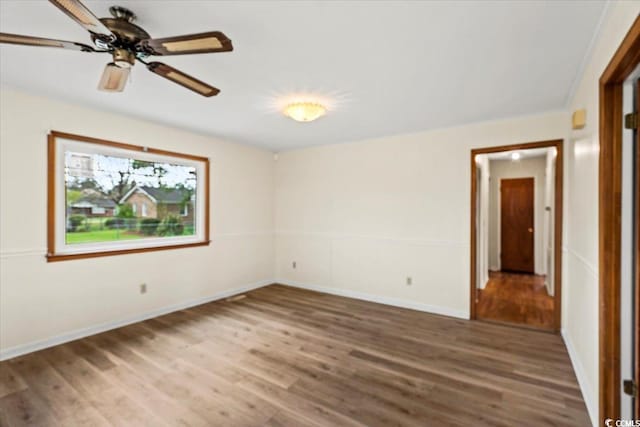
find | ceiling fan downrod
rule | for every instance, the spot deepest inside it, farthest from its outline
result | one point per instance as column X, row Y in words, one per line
column 122, row 13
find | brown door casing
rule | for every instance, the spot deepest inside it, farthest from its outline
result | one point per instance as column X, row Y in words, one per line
column 516, row 225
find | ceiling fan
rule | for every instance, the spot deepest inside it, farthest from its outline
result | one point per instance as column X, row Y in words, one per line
column 127, row 42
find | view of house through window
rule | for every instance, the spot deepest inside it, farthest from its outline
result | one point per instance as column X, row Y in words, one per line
column 111, row 198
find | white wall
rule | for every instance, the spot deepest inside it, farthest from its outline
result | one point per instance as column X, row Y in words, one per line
column 533, row 167
column 580, row 268
column 358, row 218
column 40, row 300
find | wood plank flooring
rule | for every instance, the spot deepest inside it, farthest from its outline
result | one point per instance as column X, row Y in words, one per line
column 516, row 298
column 289, row 357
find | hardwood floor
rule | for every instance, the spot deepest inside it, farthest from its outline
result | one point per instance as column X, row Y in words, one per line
column 516, row 298
column 289, row 357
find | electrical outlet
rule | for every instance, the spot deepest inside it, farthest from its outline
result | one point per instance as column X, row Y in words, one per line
column 294, row 265
column 409, row 281
column 143, row 288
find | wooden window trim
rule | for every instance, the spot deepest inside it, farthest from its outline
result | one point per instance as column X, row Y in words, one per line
column 557, row 233
column 622, row 64
column 52, row 256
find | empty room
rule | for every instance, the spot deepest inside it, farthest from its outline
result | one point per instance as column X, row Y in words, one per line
column 319, row 213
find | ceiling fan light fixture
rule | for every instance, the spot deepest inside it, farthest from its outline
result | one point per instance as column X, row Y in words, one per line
column 114, row 78
column 304, row 111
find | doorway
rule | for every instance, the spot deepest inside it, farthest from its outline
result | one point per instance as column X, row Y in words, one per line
column 516, row 220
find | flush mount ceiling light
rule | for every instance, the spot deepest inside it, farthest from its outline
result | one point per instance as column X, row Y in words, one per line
column 304, row 111
column 515, row 156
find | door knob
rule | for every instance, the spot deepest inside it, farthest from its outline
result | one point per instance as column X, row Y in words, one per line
column 530, row 230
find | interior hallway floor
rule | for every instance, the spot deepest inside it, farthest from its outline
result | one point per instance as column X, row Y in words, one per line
column 289, row 357
column 516, row 298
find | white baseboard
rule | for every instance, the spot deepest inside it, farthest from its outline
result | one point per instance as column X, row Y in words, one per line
column 22, row 349
column 397, row 302
column 578, row 368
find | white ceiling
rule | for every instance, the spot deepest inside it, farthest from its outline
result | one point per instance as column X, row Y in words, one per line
column 383, row 67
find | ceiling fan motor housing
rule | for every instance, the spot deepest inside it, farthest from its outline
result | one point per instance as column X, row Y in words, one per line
column 123, row 58
column 127, row 33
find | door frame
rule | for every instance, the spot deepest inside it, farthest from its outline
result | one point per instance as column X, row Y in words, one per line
column 636, row 296
column 532, row 181
column 558, row 206
column 624, row 61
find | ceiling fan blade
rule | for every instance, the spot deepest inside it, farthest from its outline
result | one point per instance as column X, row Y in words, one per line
column 210, row 42
column 39, row 41
column 83, row 16
column 182, row 79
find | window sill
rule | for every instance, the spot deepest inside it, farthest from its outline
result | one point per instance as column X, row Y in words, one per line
column 68, row 257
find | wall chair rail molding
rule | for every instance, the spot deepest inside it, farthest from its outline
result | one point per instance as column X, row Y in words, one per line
column 16, row 253
column 383, row 239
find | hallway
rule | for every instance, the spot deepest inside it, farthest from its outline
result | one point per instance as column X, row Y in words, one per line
column 516, row 298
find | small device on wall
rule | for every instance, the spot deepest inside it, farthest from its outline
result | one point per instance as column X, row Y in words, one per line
column 579, row 119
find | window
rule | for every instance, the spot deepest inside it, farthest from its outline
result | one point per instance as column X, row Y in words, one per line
column 108, row 198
